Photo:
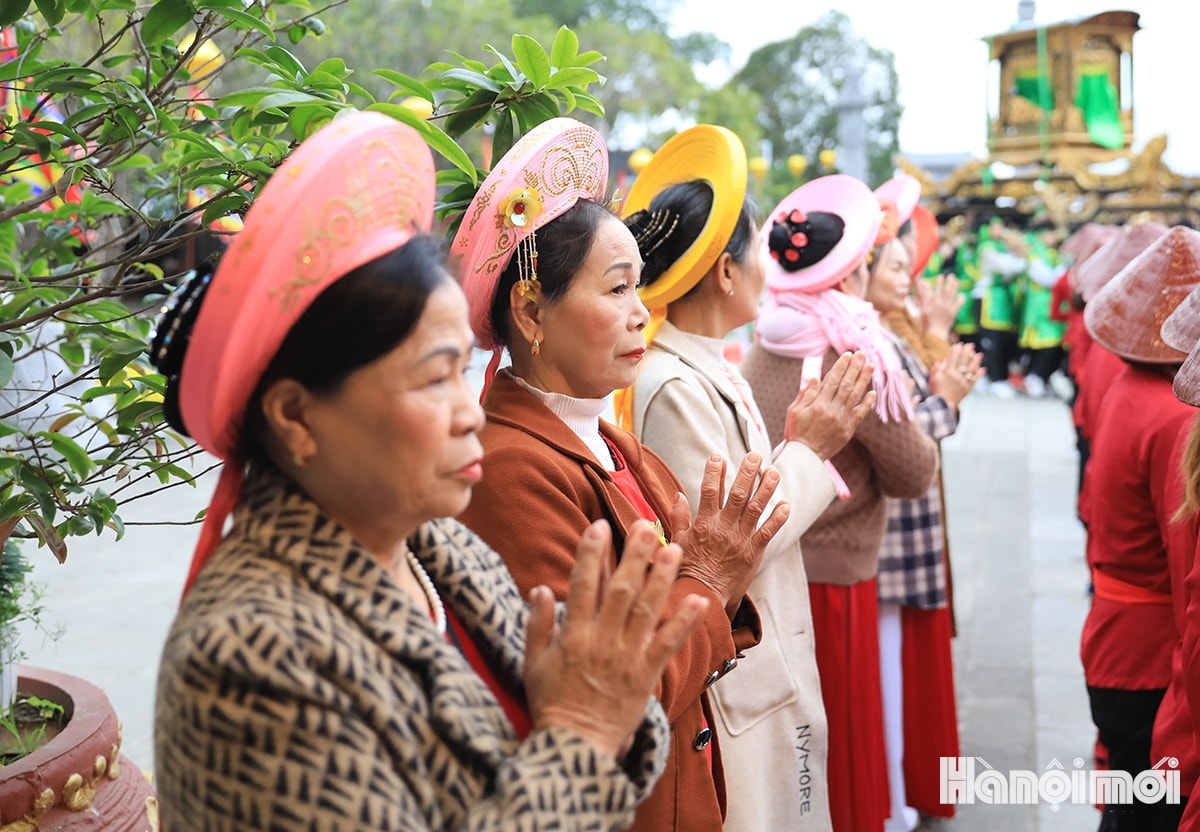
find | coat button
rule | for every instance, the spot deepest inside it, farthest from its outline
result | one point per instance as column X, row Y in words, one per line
column 730, row 664
column 712, row 677
column 703, row 738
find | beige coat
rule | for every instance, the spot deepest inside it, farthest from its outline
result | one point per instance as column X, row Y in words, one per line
column 770, row 716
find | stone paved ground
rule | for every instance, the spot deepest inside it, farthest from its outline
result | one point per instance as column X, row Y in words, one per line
column 1019, row 576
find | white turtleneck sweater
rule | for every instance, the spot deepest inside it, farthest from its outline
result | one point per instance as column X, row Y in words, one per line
column 582, row 416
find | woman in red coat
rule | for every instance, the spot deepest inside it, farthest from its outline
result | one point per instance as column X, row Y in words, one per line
column 551, row 273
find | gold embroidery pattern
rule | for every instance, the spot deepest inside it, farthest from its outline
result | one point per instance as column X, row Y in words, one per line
column 381, row 189
column 573, row 165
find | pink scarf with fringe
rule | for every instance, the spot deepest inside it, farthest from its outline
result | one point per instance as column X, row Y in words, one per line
column 807, row 325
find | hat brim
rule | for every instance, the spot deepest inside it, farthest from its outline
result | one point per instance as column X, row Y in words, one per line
column 905, row 191
column 709, row 153
column 1187, row 380
column 925, row 235
column 1181, row 329
column 858, row 207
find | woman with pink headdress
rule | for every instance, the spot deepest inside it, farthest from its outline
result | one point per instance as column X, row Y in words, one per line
column 551, row 274
column 819, row 238
column 916, row 667
column 346, row 656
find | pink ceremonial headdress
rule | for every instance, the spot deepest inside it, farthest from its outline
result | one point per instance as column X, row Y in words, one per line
column 904, row 191
column 1126, row 316
column 361, row 186
column 1113, row 255
column 804, row 315
column 543, row 175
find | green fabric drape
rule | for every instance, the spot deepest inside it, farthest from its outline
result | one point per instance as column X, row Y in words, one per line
column 1097, row 98
column 1034, row 86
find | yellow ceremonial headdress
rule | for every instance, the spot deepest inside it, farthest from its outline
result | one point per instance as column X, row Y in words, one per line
column 707, row 153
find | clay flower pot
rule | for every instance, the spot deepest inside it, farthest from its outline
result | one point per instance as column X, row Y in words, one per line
column 79, row 780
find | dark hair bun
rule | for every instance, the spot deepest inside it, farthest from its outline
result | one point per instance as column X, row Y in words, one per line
column 798, row 240
column 169, row 341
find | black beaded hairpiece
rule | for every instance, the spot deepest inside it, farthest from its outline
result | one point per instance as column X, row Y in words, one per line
column 651, row 229
column 798, row 240
column 169, row 341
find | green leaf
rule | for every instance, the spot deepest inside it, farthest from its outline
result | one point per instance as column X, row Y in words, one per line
column 296, row 33
column 6, row 369
column 473, row 110
column 52, row 10
column 503, row 138
column 532, row 59
column 574, row 76
column 407, row 84
column 220, row 207
column 515, row 76
column 11, row 11
column 565, row 48
column 588, row 103
column 76, row 456
column 284, row 98
column 285, row 60
column 589, row 57
column 471, row 78
column 248, row 21
column 165, row 19
column 113, row 364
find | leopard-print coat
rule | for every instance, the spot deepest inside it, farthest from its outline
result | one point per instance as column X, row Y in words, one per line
column 300, row 689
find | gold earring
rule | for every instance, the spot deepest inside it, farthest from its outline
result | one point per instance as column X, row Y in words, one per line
column 536, row 347
column 298, row 460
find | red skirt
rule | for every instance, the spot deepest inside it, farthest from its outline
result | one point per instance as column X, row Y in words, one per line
column 930, row 707
column 846, row 636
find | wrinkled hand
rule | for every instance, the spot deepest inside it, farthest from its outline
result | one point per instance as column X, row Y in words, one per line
column 954, row 376
column 939, row 301
column 825, row 413
column 723, row 544
column 595, row 673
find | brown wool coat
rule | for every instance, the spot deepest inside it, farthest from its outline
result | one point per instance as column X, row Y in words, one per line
column 302, row 690
column 542, row 487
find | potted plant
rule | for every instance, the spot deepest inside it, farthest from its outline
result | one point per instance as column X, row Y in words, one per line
column 124, row 161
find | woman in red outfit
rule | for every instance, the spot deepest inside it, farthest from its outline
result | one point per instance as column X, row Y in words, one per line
column 1130, row 631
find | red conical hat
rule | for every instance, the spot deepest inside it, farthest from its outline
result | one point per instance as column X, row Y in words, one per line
column 1114, row 255
column 1086, row 239
column 1126, row 316
column 1187, row 379
column 1181, row 330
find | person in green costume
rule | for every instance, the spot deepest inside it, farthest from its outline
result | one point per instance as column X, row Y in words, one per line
column 1000, row 264
column 1040, row 335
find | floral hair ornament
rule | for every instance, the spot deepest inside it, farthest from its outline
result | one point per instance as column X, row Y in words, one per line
column 829, row 224
column 358, row 188
column 522, row 207
column 543, row 175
